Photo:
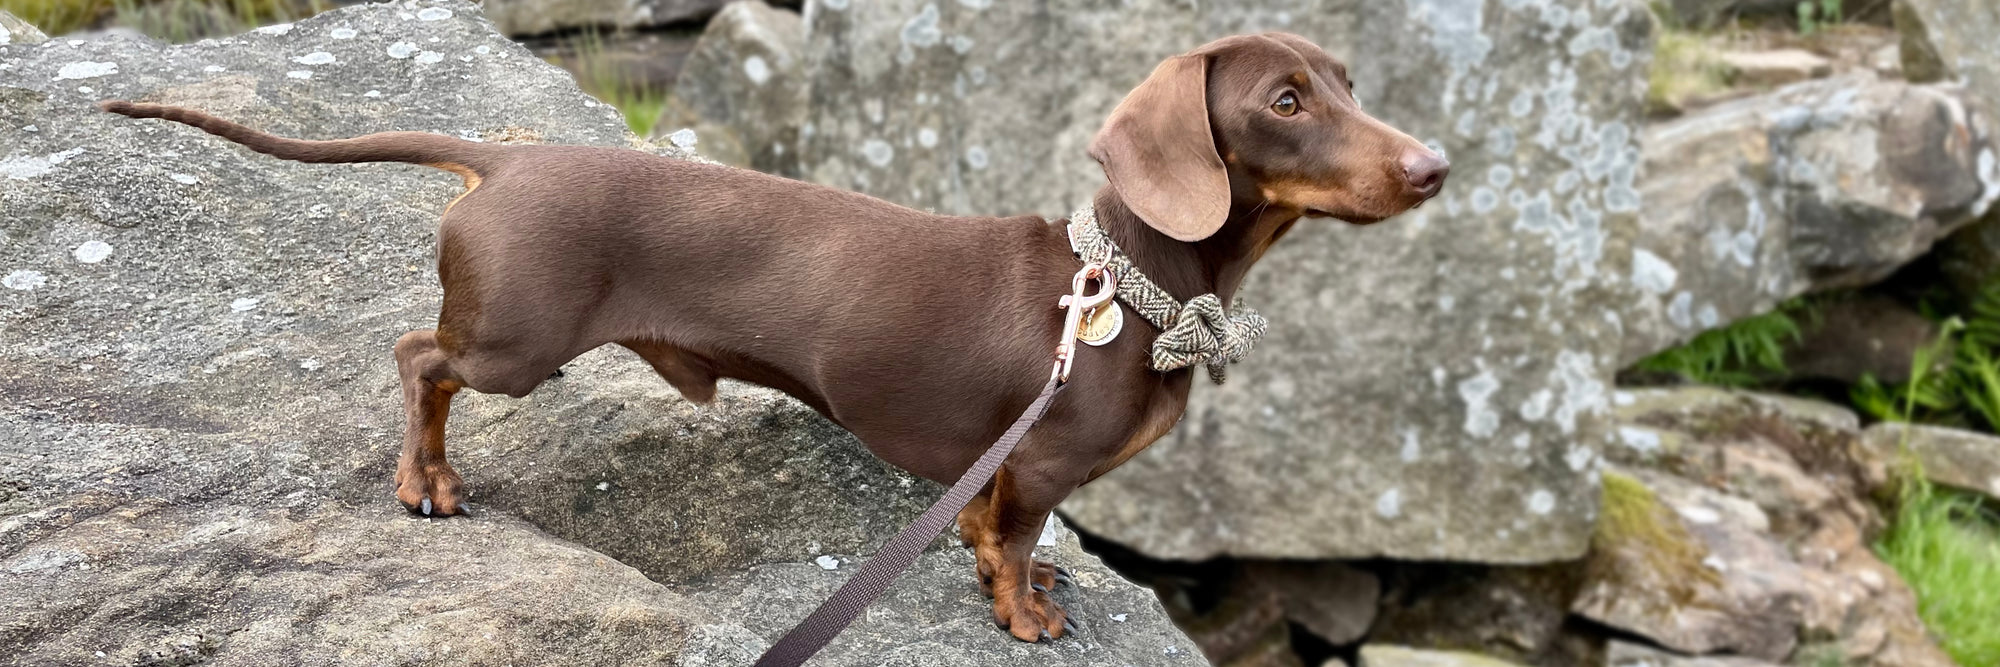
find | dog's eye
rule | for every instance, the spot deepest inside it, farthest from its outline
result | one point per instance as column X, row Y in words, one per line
column 1286, row 105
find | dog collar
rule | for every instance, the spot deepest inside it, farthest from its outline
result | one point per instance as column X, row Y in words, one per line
column 1199, row 331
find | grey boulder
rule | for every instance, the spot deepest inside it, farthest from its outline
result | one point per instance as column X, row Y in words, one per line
column 744, row 87
column 1958, row 458
column 1822, row 185
column 1332, row 440
column 199, row 413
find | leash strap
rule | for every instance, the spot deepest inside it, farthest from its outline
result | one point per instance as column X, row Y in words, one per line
column 834, row 615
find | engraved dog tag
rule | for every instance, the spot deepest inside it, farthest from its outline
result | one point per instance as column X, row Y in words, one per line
column 1101, row 324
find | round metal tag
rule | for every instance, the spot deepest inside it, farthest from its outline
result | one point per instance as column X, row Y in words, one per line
column 1101, row 324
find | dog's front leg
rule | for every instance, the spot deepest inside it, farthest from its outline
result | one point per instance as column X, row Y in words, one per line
column 1003, row 540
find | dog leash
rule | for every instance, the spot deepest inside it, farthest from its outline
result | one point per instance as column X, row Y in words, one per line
column 847, row 603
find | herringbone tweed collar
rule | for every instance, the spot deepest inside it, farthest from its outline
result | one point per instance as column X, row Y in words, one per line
column 1200, row 331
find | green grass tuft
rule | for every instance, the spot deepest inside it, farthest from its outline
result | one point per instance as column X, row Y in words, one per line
column 598, row 75
column 1684, row 69
column 168, row 20
column 1948, row 548
column 1745, row 353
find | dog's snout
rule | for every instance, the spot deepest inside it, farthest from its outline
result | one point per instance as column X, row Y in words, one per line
column 1426, row 172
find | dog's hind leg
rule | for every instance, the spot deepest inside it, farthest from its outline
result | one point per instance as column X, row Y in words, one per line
column 425, row 483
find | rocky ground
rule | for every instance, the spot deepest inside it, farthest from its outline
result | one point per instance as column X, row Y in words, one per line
column 198, row 415
column 1429, row 462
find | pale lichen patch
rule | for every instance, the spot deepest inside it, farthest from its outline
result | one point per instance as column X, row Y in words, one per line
column 86, row 70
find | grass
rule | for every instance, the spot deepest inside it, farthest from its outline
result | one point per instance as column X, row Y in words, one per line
column 597, row 74
column 1947, row 546
column 169, row 20
column 1955, row 380
column 1747, row 352
column 1684, row 69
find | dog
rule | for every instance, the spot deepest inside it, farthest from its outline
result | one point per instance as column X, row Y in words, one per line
column 711, row 272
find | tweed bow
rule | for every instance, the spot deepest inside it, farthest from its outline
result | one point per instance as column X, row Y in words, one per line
column 1200, row 331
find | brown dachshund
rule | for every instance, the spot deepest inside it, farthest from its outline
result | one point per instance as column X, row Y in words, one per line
column 711, row 272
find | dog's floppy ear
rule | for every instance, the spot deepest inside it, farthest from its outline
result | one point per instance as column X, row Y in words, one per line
column 1158, row 153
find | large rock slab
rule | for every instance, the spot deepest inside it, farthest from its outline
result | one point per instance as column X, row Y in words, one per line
column 1951, row 41
column 1954, row 457
column 199, row 413
column 1817, row 186
column 1335, row 439
column 1744, row 528
column 744, row 87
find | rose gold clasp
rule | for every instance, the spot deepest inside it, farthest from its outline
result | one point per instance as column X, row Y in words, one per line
column 1078, row 303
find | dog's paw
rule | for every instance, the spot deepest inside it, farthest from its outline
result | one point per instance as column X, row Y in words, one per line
column 430, row 490
column 1031, row 615
column 1048, row 575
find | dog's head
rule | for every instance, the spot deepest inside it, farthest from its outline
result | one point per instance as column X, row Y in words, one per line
column 1269, row 117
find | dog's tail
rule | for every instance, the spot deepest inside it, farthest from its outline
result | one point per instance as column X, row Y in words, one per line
column 466, row 158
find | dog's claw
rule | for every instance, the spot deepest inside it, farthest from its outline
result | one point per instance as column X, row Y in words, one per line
column 1040, row 588
column 1045, row 637
column 1068, row 627
column 427, row 507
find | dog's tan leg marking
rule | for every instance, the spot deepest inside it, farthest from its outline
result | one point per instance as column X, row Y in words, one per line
column 425, row 483
column 1020, row 584
column 471, row 177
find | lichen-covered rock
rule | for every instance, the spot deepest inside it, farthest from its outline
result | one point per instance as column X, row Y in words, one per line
column 1951, row 40
column 13, row 30
column 1949, row 456
column 1822, row 185
column 1334, row 439
column 744, row 84
column 199, row 413
column 1743, row 528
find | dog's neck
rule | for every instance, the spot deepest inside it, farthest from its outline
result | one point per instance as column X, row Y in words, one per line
column 1216, row 264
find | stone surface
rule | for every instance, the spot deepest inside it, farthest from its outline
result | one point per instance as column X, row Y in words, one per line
column 1949, row 456
column 1950, row 40
column 1627, row 654
column 522, row 18
column 1763, row 541
column 1332, row 440
column 1518, row 613
column 1378, row 655
column 744, row 85
column 13, row 30
column 1334, row 601
column 1827, row 184
column 199, row 414
column 1773, row 68
column 1863, row 335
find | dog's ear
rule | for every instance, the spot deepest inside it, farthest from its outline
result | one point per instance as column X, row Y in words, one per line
column 1159, row 155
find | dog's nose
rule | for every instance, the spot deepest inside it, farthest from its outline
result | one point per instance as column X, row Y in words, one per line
column 1426, row 172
